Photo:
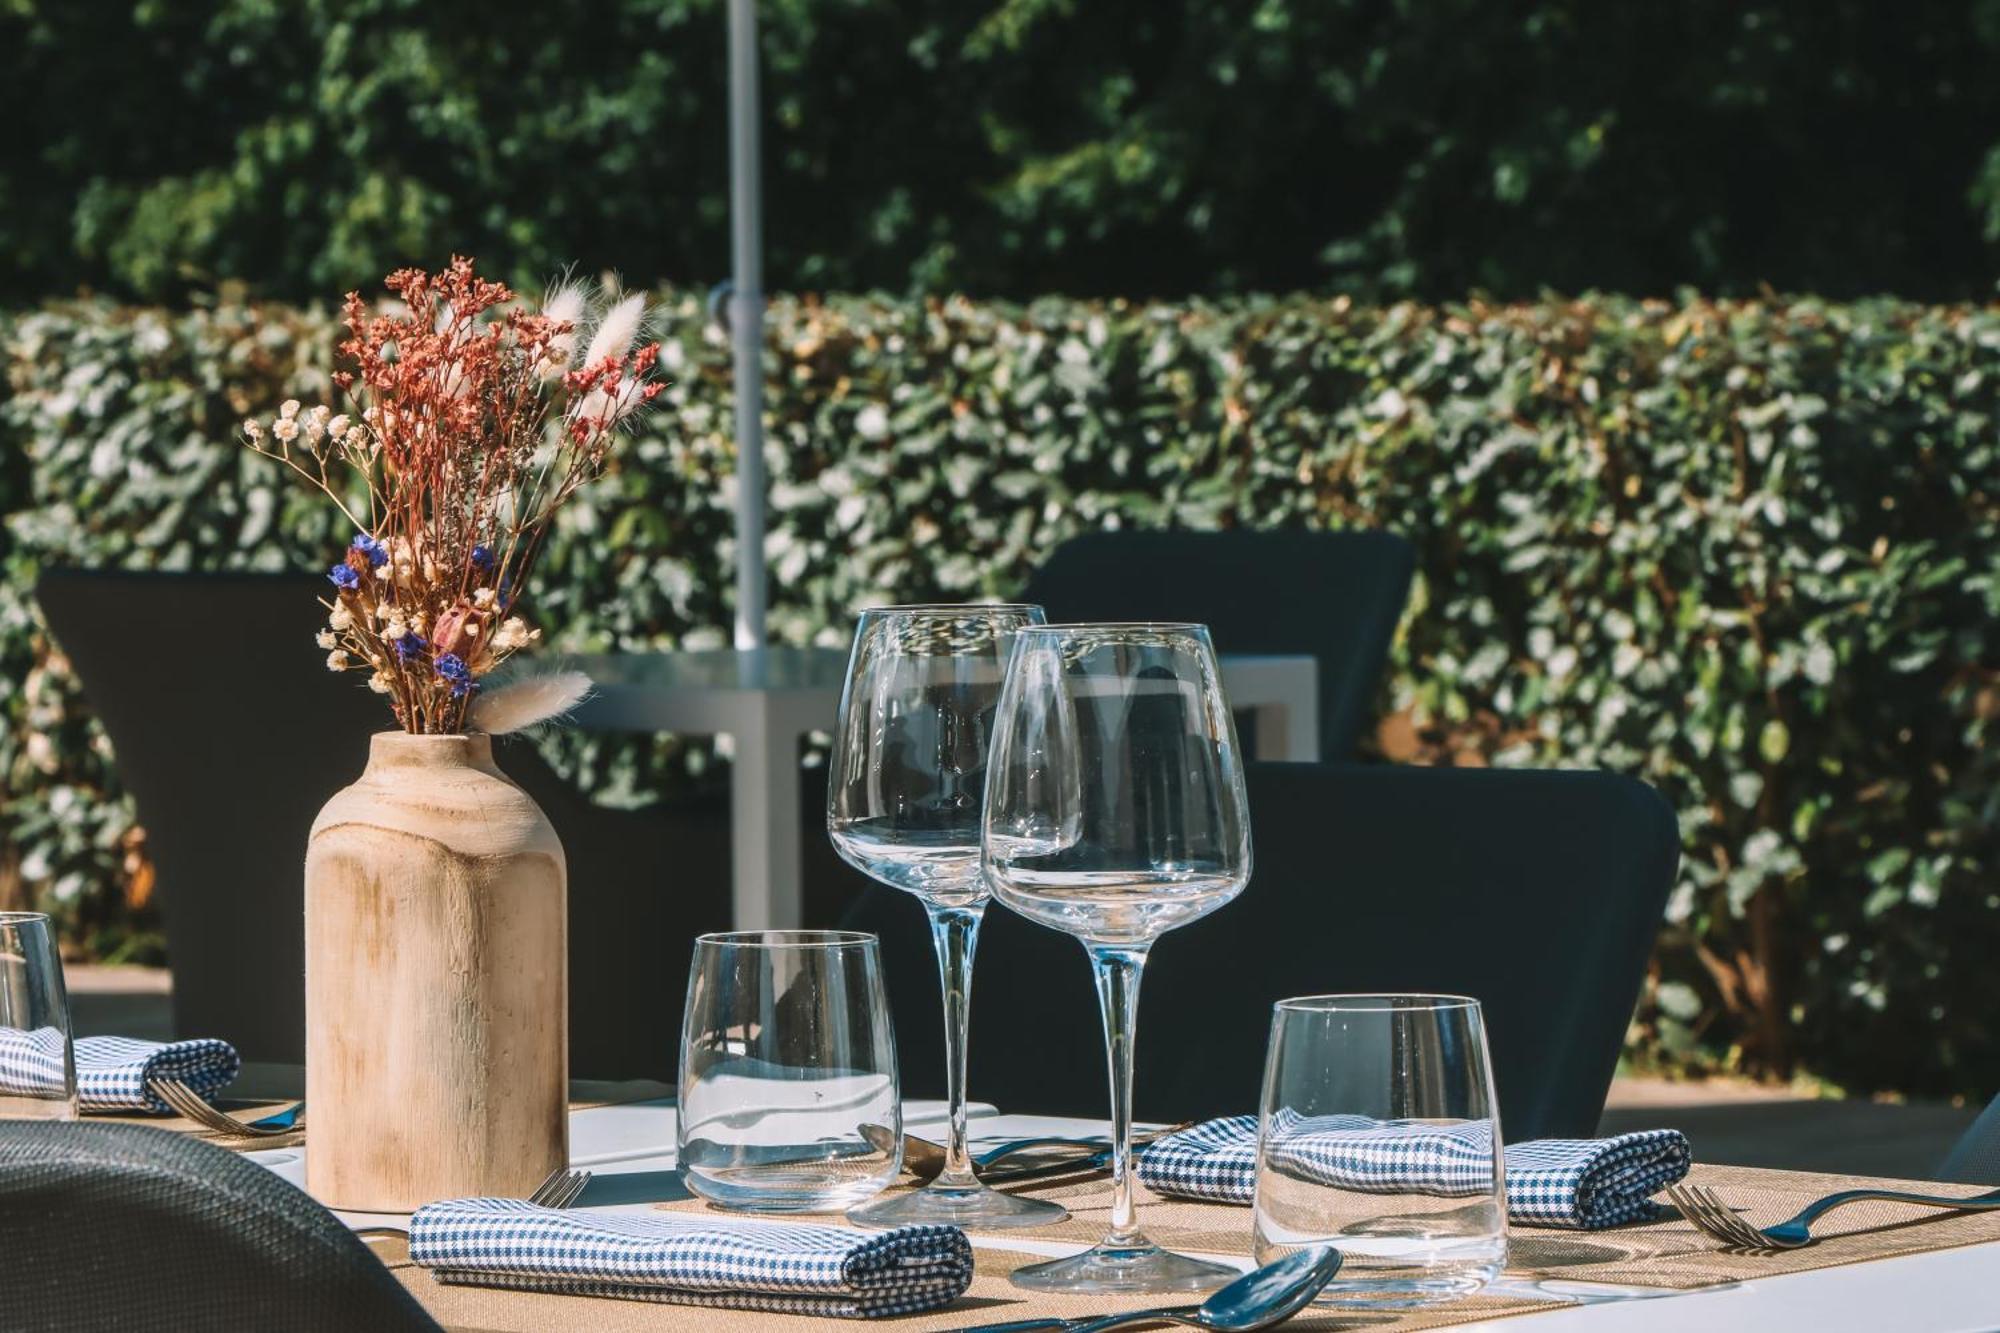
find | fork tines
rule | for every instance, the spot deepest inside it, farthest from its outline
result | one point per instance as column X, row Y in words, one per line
column 561, row 1189
column 191, row 1105
column 1704, row 1208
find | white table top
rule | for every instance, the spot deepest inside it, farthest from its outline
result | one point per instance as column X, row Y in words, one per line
column 630, row 1151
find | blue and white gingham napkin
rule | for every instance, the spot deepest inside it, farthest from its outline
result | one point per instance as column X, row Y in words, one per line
column 1584, row 1184
column 111, row 1072
column 776, row 1267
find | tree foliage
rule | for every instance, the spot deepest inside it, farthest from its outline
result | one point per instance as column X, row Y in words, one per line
column 1011, row 147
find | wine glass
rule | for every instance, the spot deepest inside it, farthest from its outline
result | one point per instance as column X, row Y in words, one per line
column 903, row 806
column 1115, row 812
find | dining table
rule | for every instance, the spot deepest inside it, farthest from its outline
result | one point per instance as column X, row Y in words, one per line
column 767, row 701
column 628, row 1146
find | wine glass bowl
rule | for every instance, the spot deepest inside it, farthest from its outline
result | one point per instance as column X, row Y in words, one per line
column 1115, row 812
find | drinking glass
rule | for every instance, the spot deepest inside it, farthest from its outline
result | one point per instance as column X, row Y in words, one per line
column 37, row 1062
column 1378, row 1136
column 786, row 1055
column 902, row 806
column 1115, row 812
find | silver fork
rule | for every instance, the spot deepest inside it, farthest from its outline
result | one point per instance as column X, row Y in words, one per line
column 1705, row 1209
column 561, row 1188
column 191, row 1105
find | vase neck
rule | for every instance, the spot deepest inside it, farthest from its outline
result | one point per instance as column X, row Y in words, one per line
column 400, row 749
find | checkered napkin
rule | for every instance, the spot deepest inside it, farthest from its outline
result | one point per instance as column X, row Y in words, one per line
column 1584, row 1184
column 776, row 1267
column 111, row 1072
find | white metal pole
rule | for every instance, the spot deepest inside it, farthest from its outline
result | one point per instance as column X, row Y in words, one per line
column 746, row 319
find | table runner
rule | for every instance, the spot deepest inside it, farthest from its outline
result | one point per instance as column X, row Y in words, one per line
column 991, row 1299
column 584, row 1094
column 1669, row 1253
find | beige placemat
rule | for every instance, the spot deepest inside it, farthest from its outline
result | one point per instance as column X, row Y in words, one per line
column 991, row 1299
column 584, row 1094
column 1668, row 1254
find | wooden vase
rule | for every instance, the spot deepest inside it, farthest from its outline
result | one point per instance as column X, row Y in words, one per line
column 437, row 1032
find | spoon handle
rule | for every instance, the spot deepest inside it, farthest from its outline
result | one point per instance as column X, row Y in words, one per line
column 1179, row 1314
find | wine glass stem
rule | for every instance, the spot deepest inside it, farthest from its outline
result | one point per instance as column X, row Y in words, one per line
column 1117, row 971
column 955, row 933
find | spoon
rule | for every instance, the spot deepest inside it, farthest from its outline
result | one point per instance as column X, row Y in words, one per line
column 1261, row 1298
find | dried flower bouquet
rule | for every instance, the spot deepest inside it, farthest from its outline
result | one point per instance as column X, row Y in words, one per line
column 472, row 421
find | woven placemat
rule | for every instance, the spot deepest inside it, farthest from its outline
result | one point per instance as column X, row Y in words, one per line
column 583, row 1096
column 1669, row 1254
column 991, row 1299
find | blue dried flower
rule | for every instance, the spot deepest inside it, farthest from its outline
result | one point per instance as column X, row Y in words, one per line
column 453, row 668
column 344, row 577
column 409, row 646
column 377, row 553
column 482, row 559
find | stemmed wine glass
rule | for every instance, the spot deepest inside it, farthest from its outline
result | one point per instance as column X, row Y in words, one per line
column 903, row 806
column 1115, row 812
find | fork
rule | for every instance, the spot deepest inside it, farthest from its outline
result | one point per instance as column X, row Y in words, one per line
column 561, row 1188
column 1710, row 1215
column 191, row 1105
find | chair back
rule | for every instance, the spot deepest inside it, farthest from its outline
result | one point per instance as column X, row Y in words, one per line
column 230, row 734
column 1975, row 1158
column 1538, row 893
column 112, row 1226
column 1335, row 596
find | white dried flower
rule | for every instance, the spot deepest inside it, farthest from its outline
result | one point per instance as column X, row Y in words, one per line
column 290, row 409
column 483, row 598
column 321, row 412
column 396, row 628
column 342, row 618
column 337, row 427
column 379, row 683
column 513, row 633
column 336, row 660
column 254, row 429
column 285, row 429
column 325, row 639
column 382, row 572
column 315, row 432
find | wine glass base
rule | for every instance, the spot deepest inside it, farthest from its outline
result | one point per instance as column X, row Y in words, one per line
column 1135, row 1267
column 977, row 1208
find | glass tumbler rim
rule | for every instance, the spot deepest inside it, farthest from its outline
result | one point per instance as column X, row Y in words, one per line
column 1375, row 1002
column 792, row 938
column 922, row 608
column 1158, row 626
column 23, row 918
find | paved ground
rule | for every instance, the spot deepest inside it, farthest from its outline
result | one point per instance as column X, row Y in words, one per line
column 1732, row 1123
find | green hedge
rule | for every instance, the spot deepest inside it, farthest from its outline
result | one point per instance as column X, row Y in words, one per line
column 1746, row 551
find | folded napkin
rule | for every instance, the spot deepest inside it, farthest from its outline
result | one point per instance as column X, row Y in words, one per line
column 777, row 1267
column 111, row 1072
column 1584, row 1184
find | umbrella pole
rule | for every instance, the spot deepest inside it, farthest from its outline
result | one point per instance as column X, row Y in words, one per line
column 746, row 319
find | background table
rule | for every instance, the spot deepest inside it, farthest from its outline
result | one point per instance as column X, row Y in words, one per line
column 767, row 699
column 630, row 1150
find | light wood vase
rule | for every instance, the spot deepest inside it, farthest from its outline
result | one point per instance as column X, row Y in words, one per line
column 437, row 1032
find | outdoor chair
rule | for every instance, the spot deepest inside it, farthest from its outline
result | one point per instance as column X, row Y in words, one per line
column 109, row 1226
column 1336, row 596
column 230, row 741
column 1975, row 1158
column 1537, row 893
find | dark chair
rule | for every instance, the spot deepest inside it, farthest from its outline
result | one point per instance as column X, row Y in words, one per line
column 1334, row 595
column 1538, row 893
column 230, row 734
column 132, row 1228
column 1975, row 1158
